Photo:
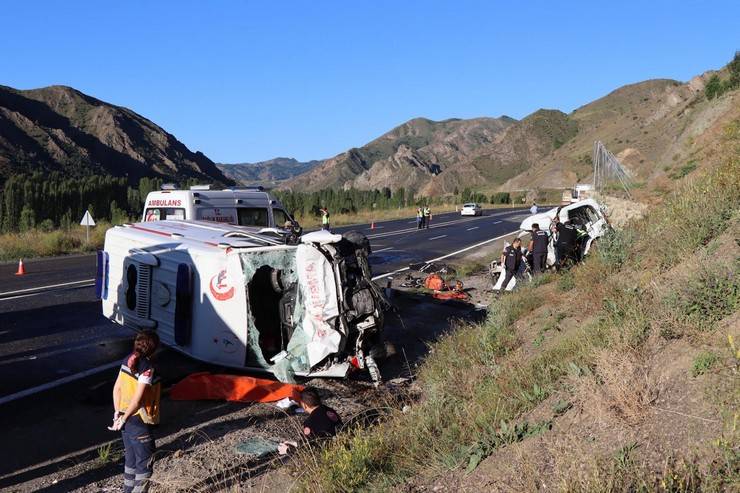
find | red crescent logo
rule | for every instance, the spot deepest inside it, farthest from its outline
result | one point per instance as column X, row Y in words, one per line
column 219, row 289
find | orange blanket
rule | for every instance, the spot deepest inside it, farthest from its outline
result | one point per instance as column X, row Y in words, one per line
column 207, row 386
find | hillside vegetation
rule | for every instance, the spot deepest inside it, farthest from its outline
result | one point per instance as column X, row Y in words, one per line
column 620, row 375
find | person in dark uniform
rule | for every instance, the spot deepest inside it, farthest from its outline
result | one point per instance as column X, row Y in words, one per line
column 566, row 244
column 322, row 421
column 136, row 395
column 511, row 259
column 538, row 247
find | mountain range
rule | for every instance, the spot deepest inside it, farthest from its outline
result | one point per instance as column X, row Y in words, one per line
column 656, row 128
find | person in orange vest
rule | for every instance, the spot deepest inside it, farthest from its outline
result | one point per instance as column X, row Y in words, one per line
column 136, row 395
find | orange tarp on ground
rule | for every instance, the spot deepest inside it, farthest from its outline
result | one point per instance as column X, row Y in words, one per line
column 451, row 295
column 207, row 386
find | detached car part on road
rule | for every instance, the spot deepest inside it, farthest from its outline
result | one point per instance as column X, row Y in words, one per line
column 232, row 296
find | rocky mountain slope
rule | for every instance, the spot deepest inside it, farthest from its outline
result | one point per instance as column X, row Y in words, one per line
column 656, row 128
column 58, row 128
column 267, row 173
column 411, row 155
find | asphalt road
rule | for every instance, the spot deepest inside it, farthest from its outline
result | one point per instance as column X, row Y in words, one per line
column 55, row 344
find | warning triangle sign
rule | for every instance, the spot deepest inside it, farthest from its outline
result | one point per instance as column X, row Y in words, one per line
column 87, row 220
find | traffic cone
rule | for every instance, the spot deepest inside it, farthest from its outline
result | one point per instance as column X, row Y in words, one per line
column 21, row 269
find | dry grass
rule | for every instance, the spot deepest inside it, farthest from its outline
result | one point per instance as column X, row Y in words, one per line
column 621, row 385
column 36, row 243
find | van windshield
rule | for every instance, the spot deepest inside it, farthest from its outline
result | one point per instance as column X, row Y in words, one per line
column 162, row 213
column 253, row 216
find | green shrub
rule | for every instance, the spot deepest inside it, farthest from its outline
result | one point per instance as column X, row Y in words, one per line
column 708, row 296
column 703, row 362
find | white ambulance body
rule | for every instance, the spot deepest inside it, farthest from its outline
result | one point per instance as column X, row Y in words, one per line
column 245, row 207
column 233, row 296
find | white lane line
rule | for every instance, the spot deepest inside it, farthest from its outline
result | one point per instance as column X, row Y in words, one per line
column 38, row 293
column 32, row 357
column 57, row 383
column 377, row 227
column 382, row 249
column 437, row 237
column 471, row 229
column 438, row 225
column 448, row 255
column 22, row 291
column 411, row 222
column 497, row 222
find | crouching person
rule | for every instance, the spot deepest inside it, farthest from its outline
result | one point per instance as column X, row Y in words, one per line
column 322, row 421
column 136, row 396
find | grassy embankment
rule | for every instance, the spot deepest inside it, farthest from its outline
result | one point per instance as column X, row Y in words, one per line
column 38, row 243
column 632, row 301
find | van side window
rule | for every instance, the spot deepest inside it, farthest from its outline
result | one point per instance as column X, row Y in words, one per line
column 162, row 213
column 280, row 217
column 253, row 216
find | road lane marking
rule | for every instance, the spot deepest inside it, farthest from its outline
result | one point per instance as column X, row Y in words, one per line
column 381, row 276
column 42, row 288
column 57, row 383
column 411, row 222
column 408, row 230
column 498, row 222
column 437, row 237
column 471, row 229
column 383, row 249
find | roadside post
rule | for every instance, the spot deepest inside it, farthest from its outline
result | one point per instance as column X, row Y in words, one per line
column 87, row 221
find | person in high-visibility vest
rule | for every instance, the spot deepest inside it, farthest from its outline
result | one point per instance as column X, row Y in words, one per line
column 325, row 219
column 136, row 395
column 427, row 216
column 419, row 218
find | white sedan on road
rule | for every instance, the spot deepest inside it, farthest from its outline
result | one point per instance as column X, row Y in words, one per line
column 471, row 209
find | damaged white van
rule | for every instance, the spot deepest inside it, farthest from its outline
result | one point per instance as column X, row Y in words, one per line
column 233, row 296
column 588, row 213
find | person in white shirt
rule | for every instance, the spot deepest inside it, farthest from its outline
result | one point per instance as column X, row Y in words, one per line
column 533, row 209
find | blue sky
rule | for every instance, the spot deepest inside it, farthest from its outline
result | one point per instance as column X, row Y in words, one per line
column 247, row 81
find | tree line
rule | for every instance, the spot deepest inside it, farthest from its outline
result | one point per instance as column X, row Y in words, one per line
column 51, row 201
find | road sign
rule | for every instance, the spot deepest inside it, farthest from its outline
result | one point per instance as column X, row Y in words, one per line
column 87, row 221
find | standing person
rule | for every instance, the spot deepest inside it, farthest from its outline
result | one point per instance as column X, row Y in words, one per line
column 322, row 421
column 511, row 259
column 136, row 409
column 566, row 243
column 324, row 219
column 533, row 209
column 538, row 247
column 427, row 216
column 419, row 218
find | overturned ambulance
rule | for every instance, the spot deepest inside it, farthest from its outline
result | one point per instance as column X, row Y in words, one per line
column 233, row 296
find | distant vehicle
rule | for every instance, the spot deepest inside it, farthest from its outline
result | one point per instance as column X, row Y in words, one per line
column 471, row 209
column 587, row 212
column 579, row 192
column 249, row 206
column 233, row 296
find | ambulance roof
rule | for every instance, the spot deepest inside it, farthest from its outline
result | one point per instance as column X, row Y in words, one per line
column 203, row 235
column 216, row 194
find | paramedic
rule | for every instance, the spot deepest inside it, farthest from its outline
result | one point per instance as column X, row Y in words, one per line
column 538, row 247
column 136, row 409
column 511, row 259
column 566, row 244
column 419, row 218
column 427, row 216
column 324, row 218
column 533, row 209
column 322, row 421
